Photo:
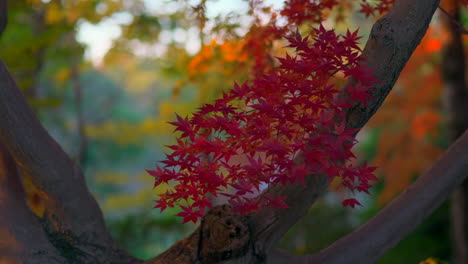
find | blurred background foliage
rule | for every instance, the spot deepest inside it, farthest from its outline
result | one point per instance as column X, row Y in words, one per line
column 106, row 75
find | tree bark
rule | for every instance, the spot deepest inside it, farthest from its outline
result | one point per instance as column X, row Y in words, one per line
column 405, row 213
column 455, row 95
column 72, row 215
column 22, row 238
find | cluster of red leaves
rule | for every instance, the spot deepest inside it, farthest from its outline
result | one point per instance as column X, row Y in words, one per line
column 377, row 8
column 276, row 129
column 259, row 42
column 259, row 38
column 299, row 11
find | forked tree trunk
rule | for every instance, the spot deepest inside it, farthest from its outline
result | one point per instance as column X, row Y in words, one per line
column 73, row 231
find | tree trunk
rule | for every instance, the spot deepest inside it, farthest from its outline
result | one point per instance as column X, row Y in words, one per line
column 82, row 155
column 456, row 108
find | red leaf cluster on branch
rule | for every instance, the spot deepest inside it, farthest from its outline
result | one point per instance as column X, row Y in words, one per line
column 276, row 129
column 299, row 11
column 377, row 8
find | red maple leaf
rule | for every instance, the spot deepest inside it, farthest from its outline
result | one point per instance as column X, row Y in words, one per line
column 351, row 202
column 189, row 214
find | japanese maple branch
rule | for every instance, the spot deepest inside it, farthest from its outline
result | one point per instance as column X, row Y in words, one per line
column 393, row 39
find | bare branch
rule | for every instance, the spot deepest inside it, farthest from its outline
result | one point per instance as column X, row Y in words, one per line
column 458, row 26
column 269, row 224
column 71, row 211
column 405, row 213
column 392, row 41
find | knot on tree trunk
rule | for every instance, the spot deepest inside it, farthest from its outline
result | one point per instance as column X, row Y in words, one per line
column 224, row 235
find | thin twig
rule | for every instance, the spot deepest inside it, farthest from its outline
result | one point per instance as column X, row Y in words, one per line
column 458, row 27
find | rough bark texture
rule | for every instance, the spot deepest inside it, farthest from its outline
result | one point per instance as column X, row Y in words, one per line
column 22, row 238
column 222, row 235
column 77, row 225
column 72, row 229
column 456, row 107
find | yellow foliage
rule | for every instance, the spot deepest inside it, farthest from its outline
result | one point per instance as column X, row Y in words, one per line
column 125, row 133
column 53, row 14
column 430, row 261
column 111, row 178
column 72, row 15
column 133, row 200
column 140, row 81
column 122, row 133
column 166, row 110
column 62, row 75
column 127, row 201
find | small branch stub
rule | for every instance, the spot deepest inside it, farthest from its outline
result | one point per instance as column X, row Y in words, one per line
column 224, row 235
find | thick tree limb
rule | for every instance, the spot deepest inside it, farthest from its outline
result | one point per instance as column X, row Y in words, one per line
column 269, row 224
column 405, row 213
column 22, row 237
column 391, row 43
column 72, row 215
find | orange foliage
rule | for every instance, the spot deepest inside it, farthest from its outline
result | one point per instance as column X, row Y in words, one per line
column 199, row 63
column 231, row 51
column 410, row 118
column 425, row 123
